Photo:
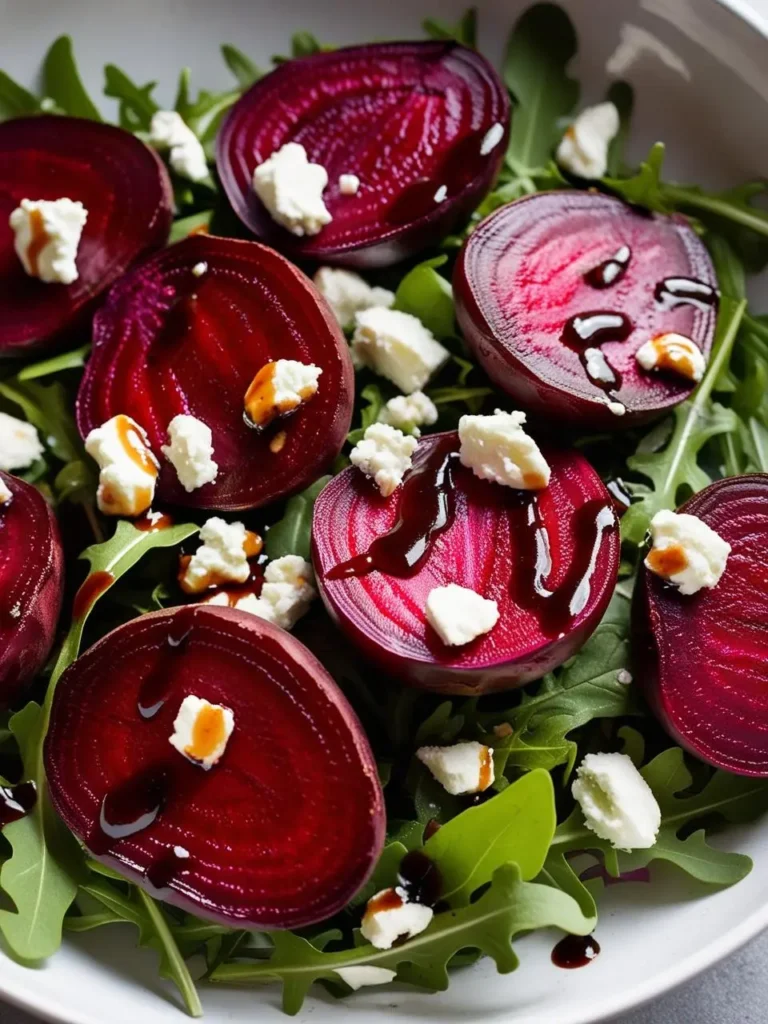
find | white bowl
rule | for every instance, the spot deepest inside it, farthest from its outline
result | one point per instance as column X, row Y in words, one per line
column 700, row 71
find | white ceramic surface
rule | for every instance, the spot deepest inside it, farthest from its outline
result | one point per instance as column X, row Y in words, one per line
column 701, row 78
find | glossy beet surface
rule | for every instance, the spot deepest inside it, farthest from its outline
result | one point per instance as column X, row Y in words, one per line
column 703, row 658
column 168, row 342
column 407, row 118
column 280, row 833
column 548, row 559
column 536, row 264
column 31, row 585
column 124, row 187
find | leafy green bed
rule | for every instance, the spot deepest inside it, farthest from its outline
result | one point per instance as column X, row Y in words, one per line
column 506, row 862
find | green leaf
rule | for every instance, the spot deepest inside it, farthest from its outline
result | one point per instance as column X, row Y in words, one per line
column 61, row 81
column 56, row 364
column 136, row 103
column 369, row 414
column 291, row 535
column 644, row 189
column 49, row 408
column 729, row 269
column 304, row 44
column 195, row 224
column 515, row 826
column 427, row 295
column 241, row 66
column 15, row 100
column 441, row 727
column 622, row 96
column 464, row 31
column 384, row 874
column 509, row 908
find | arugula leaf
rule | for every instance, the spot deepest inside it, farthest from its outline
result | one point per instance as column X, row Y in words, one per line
column 195, row 224
column 441, row 727
column 241, row 66
column 515, row 826
column 427, row 295
column 731, row 213
column 47, row 407
column 464, row 31
column 62, row 82
column 291, row 535
column 509, row 908
column 371, row 395
column 56, row 364
column 645, row 188
column 304, row 44
column 15, row 100
column 384, row 874
column 136, row 103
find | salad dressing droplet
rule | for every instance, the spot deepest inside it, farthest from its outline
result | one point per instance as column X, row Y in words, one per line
column 685, row 291
column 162, row 871
column 575, row 951
column 130, row 807
column 159, row 681
column 91, row 589
column 420, row 877
column 588, row 330
column 151, row 521
column 16, row 802
column 610, row 271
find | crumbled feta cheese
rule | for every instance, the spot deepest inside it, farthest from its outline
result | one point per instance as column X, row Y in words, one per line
column 442, row 194
column 278, row 389
column 459, row 615
column 673, row 352
column 583, row 150
column 347, row 293
column 460, row 768
column 360, row 977
column 221, row 558
column 616, row 801
column 286, row 594
column 168, row 131
column 19, row 444
column 47, row 237
column 201, row 731
column 190, row 452
column 497, row 448
column 398, row 346
column 291, row 188
column 597, row 366
column 5, row 492
column 385, row 455
column 409, row 412
column 181, row 852
column 349, row 184
column 389, row 916
column 685, row 551
column 491, row 139
column 128, row 469
column 200, row 268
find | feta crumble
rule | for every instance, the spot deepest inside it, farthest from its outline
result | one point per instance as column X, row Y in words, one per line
column 459, row 615
column 583, row 150
column 686, row 552
column 349, row 184
column 291, row 188
column 278, row 389
column 347, row 293
column 460, row 768
column 200, row 268
column 201, row 731
column 181, row 852
column 491, row 139
column 497, row 448
column 128, row 468
column 360, row 977
column 442, row 194
column 47, row 237
column 409, row 412
column 673, row 352
column 597, row 366
column 390, row 916
column 287, row 592
column 616, row 801
column 398, row 346
column 5, row 492
column 169, row 131
column 385, row 455
column 190, row 451
column 221, row 558
column 20, row 445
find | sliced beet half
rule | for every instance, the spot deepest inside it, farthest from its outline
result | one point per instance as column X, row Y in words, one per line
column 187, row 332
column 556, row 292
column 423, row 125
column 703, row 658
column 124, row 187
column 280, row 832
column 548, row 558
column 31, row 585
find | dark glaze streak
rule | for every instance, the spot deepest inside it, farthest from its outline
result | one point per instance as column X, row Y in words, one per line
column 158, row 683
column 427, row 507
column 575, row 951
column 588, row 330
column 16, row 802
column 685, row 291
column 162, row 872
column 420, row 878
column 610, row 271
column 129, row 808
column 90, row 591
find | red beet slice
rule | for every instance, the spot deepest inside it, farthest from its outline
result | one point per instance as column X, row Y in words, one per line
column 168, row 342
column 703, row 658
column 31, row 585
column 280, row 833
column 549, row 559
column 543, row 270
column 124, row 187
column 409, row 119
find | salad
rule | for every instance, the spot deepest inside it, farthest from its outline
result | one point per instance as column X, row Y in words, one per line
column 383, row 513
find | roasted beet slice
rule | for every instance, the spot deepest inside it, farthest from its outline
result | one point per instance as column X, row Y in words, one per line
column 31, row 584
column 548, row 558
column 280, row 833
column 124, row 187
column 548, row 277
column 187, row 332
column 703, row 658
column 411, row 120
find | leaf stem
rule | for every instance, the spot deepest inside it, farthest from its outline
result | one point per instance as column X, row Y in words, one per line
column 182, row 977
column 680, row 196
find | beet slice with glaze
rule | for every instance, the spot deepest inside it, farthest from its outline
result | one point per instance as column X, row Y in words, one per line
column 31, row 585
column 410, row 119
column 533, row 266
column 169, row 341
column 280, row 833
column 123, row 185
column 703, row 658
column 548, row 558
